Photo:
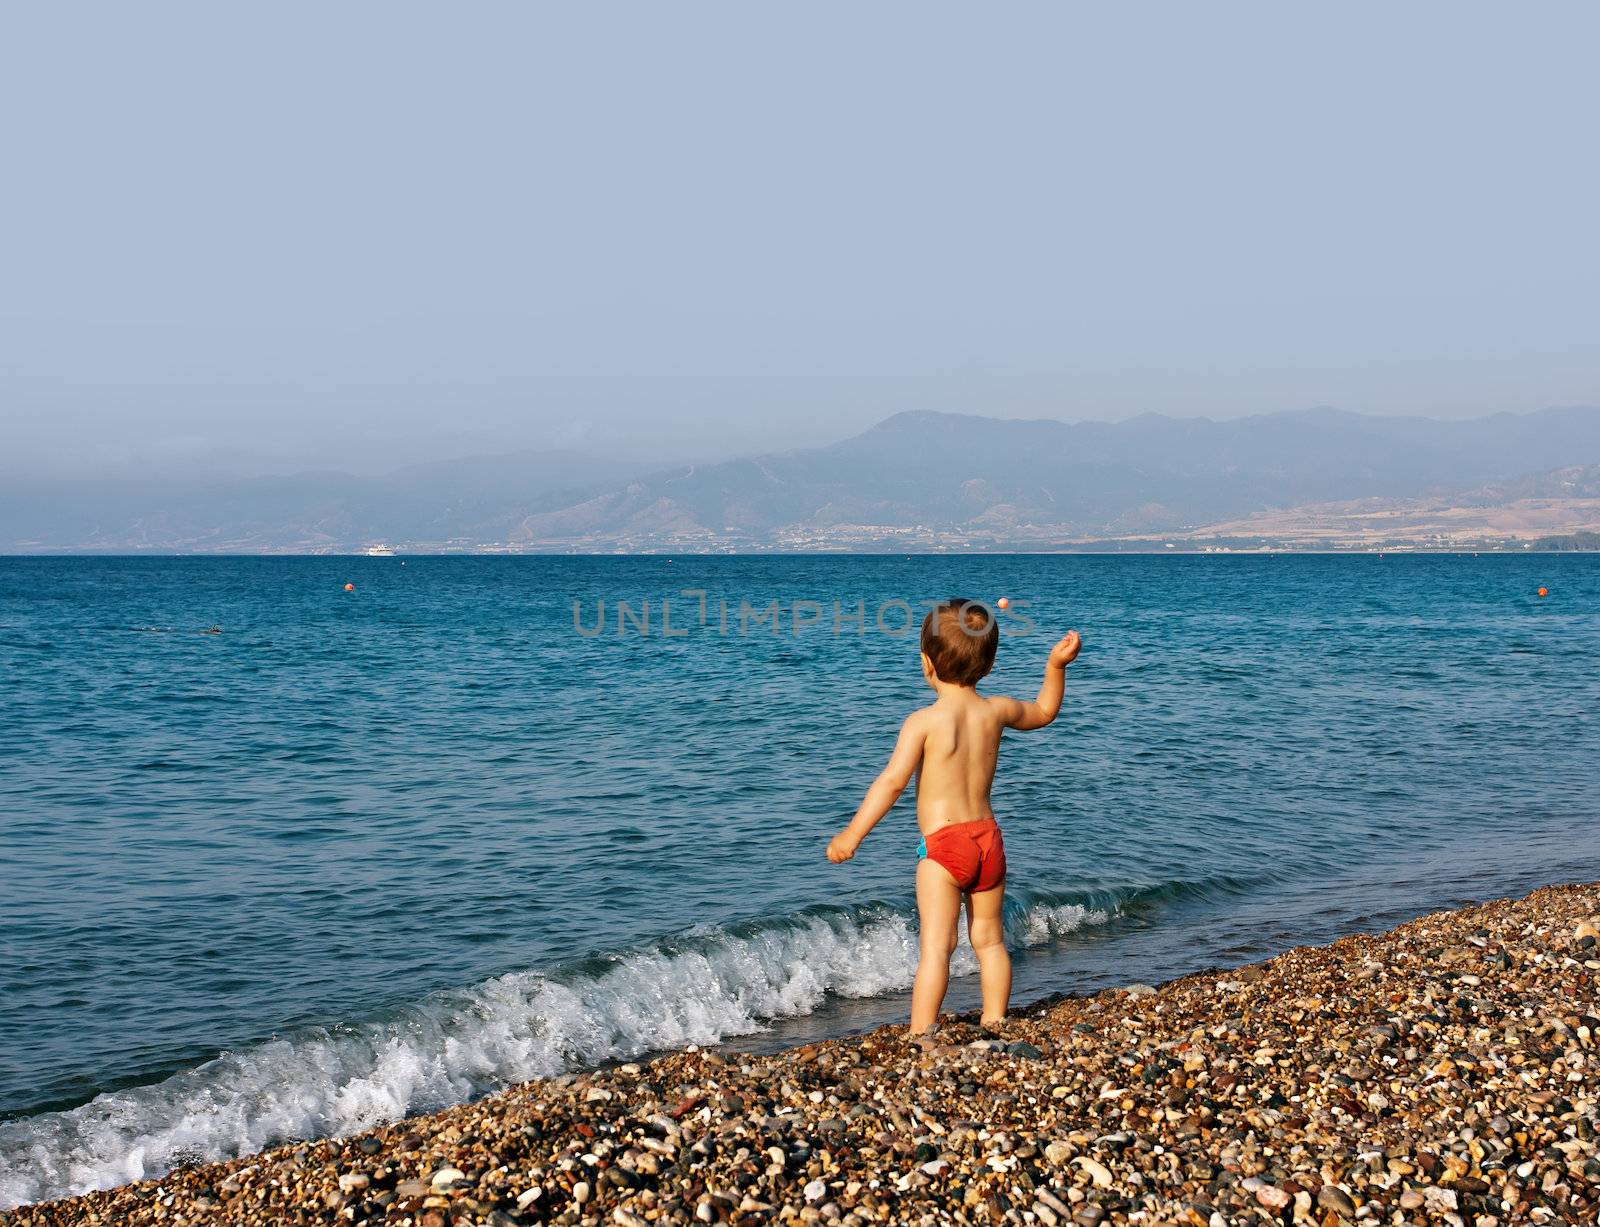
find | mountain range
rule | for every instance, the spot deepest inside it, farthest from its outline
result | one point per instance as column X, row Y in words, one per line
column 920, row 479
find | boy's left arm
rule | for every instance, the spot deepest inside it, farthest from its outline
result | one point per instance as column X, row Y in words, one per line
column 885, row 790
column 1016, row 714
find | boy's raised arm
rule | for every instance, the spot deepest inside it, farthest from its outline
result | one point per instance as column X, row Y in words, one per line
column 1020, row 715
column 885, row 790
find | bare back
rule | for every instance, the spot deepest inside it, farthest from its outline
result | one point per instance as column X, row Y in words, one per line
column 951, row 747
column 961, row 745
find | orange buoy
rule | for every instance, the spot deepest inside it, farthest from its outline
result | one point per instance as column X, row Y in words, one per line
column 1004, row 603
column 1544, row 592
column 349, row 587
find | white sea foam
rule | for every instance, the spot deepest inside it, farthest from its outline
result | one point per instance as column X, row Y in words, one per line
column 1045, row 923
column 454, row 1046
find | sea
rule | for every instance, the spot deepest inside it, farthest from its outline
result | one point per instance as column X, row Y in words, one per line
column 292, row 847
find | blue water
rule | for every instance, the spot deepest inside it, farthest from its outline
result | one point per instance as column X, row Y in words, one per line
column 367, row 853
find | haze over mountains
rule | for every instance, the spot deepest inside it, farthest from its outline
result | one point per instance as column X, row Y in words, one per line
column 917, row 479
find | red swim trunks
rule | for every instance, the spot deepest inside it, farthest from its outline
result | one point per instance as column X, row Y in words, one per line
column 973, row 852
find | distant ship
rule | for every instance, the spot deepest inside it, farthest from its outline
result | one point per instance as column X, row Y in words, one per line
column 380, row 551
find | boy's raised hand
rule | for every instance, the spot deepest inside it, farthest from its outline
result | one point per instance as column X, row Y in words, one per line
column 1066, row 650
column 840, row 848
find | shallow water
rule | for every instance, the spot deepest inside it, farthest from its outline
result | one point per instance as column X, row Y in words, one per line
column 368, row 853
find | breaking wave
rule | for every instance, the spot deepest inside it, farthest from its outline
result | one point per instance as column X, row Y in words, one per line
column 696, row 988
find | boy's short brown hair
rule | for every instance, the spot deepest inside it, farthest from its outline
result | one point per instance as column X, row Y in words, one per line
column 960, row 638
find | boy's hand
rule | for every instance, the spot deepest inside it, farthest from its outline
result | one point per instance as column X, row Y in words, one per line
column 1066, row 650
column 841, row 849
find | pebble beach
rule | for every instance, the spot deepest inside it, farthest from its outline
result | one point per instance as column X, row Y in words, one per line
column 1444, row 1072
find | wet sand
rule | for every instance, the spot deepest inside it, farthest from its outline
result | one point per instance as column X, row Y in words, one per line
column 1445, row 1072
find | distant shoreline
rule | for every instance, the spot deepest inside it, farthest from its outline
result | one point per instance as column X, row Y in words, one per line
column 402, row 555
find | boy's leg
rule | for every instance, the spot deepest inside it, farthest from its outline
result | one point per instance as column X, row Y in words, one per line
column 987, row 934
column 939, row 910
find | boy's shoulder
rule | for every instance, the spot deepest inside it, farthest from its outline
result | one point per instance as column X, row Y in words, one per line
column 920, row 719
column 1002, row 705
column 932, row 713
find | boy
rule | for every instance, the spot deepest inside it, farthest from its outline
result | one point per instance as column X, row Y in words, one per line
column 952, row 746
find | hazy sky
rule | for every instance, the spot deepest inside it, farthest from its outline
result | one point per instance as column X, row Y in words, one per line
column 353, row 234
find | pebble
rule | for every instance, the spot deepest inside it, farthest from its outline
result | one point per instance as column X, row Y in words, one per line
column 1058, row 1152
column 1438, row 1200
column 1097, row 1171
column 1332, row 1197
column 1272, row 1197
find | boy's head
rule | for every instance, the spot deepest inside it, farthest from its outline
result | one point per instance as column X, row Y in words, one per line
column 959, row 638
